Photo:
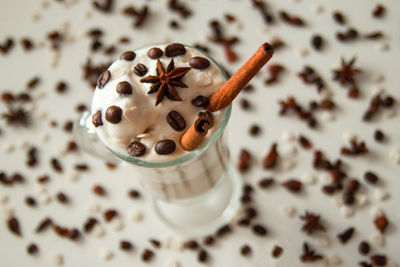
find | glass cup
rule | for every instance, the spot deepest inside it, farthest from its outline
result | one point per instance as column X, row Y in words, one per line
column 195, row 193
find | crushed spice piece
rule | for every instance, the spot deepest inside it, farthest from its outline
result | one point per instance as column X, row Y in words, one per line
column 263, row 8
column 356, row 148
column 345, row 235
column 14, row 226
column 275, row 71
column 271, row 159
column 309, row 255
column 227, row 43
column 244, row 161
column 309, row 76
column 180, row 8
column 381, row 223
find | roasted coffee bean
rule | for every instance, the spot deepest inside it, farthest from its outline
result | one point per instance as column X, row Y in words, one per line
column 378, row 260
column 96, row 119
column 266, row 182
column 114, row 114
column 133, row 193
column 317, row 42
column 124, row 88
column 371, row 177
column 339, row 18
column 103, row 79
column 61, row 87
column 30, row 201
column 125, row 245
column 174, row 50
column 176, row 121
column 165, row 147
column 62, row 197
column 140, row 70
column 199, row 63
column 44, row 224
column 191, row 244
column 136, row 149
column 348, row 198
column 32, row 249
column 379, row 136
column 277, row 251
column 202, row 256
column 13, row 226
column 99, row 190
column 259, row 230
column 147, row 255
column 200, row 101
column 364, row 248
column 345, row 235
column 245, row 250
column 128, row 56
column 155, row 53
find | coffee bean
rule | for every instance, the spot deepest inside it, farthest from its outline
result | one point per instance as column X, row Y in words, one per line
column 345, row 235
column 379, row 136
column 202, row 256
column 165, row 147
column 32, row 249
column 140, row 70
column 128, row 56
column 103, row 79
column 136, row 149
column 378, row 260
column 245, row 250
column 125, row 245
column 13, row 226
column 174, row 50
column 363, row 248
column 199, row 63
column 147, row 255
column 200, row 101
column 371, row 177
column 348, row 197
column 155, row 53
column 124, row 88
column 176, row 121
column 114, row 114
column 96, row 119
column 62, row 197
column 317, row 42
column 259, row 230
column 277, row 251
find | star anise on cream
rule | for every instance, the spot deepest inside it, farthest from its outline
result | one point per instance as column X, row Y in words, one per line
column 346, row 73
column 311, row 223
column 165, row 81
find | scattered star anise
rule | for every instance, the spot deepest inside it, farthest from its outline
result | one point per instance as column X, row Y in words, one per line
column 345, row 74
column 309, row 255
column 311, row 223
column 165, row 81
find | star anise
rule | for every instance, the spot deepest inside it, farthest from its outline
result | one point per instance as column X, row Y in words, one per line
column 165, row 81
column 309, row 255
column 311, row 223
column 345, row 74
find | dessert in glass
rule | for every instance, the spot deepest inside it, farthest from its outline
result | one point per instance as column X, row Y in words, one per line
column 157, row 108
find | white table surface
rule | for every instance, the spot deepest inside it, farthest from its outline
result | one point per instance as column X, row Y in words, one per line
column 18, row 67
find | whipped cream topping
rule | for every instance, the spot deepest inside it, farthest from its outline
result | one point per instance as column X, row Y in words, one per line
column 122, row 116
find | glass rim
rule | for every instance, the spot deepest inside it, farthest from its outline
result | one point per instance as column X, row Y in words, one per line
column 192, row 154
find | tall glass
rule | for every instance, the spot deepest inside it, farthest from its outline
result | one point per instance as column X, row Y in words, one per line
column 194, row 193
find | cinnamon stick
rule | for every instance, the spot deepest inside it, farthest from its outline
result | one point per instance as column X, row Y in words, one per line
column 229, row 90
column 196, row 133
